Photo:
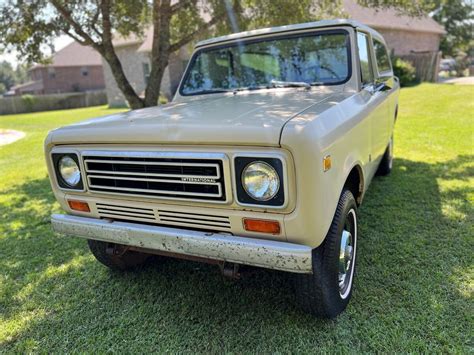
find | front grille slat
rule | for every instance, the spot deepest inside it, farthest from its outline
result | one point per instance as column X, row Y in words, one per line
column 124, row 208
column 168, row 169
column 155, row 175
column 125, row 215
column 138, row 213
column 205, row 221
column 128, row 178
column 148, row 192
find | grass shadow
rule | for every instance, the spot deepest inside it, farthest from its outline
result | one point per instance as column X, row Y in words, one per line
column 415, row 227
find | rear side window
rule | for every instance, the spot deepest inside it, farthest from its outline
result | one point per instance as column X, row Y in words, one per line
column 381, row 56
column 366, row 72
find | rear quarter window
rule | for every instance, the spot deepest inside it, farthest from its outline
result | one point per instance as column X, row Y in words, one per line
column 381, row 57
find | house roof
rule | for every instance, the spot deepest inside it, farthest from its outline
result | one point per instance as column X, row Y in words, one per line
column 390, row 19
column 145, row 40
column 29, row 86
column 121, row 41
column 148, row 42
column 74, row 54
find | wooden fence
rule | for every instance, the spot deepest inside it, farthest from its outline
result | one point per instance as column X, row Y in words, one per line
column 426, row 65
column 35, row 103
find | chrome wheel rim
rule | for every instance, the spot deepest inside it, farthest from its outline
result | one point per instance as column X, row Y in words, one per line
column 347, row 251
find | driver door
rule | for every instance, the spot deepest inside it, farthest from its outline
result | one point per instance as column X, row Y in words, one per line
column 374, row 103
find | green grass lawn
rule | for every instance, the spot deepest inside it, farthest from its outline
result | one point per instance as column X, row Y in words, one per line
column 413, row 292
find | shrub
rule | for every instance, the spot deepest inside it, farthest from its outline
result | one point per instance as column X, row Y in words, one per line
column 29, row 101
column 462, row 63
column 405, row 71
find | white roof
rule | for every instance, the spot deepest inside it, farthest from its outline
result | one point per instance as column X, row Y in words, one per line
column 288, row 28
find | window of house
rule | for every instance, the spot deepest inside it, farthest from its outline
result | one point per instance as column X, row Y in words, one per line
column 146, row 72
column 84, row 71
column 37, row 74
column 381, row 56
column 51, row 73
column 366, row 73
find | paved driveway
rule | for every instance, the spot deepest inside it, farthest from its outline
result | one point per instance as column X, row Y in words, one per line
column 467, row 80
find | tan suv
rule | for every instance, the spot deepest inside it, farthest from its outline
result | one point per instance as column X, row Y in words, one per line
column 262, row 158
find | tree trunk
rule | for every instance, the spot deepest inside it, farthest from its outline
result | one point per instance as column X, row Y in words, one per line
column 124, row 85
column 160, row 51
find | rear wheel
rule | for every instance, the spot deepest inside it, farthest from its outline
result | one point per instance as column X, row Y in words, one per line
column 116, row 256
column 386, row 164
column 326, row 292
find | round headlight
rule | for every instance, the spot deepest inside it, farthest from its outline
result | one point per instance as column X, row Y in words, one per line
column 261, row 181
column 69, row 171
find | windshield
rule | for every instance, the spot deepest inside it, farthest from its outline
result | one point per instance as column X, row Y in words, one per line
column 302, row 60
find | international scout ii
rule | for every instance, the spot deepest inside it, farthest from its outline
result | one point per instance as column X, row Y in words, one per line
column 262, row 158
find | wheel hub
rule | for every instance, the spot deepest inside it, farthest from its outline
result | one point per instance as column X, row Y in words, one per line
column 345, row 257
column 347, row 254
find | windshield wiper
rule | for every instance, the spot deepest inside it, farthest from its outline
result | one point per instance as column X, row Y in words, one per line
column 211, row 91
column 249, row 88
column 234, row 90
column 289, row 84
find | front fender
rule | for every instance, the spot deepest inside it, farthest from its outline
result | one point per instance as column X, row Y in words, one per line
column 310, row 138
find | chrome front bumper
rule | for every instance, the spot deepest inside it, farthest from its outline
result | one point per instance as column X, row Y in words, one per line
column 243, row 250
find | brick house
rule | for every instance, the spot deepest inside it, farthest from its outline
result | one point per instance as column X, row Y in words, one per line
column 75, row 68
column 404, row 35
column 413, row 38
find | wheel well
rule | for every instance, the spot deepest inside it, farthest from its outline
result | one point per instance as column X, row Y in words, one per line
column 355, row 183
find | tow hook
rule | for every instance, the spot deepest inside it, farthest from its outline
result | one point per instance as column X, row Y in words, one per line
column 230, row 270
column 116, row 249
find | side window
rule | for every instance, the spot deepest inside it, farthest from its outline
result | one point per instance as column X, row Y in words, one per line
column 51, row 72
column 366, row 72
column 381, row 56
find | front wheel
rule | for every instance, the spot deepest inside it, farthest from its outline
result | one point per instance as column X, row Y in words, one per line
column 326, row 292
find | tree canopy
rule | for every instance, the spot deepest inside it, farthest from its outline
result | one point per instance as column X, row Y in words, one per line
column 29, row 26
column 457, row 17
column 10, row 76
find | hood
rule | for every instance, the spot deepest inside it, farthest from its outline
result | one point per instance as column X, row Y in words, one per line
column 246, row 118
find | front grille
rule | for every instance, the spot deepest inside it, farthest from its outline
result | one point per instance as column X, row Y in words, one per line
column 156, row 175
column 166, row 217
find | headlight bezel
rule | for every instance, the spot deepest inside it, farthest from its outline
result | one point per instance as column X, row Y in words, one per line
column 243, row 198
column 56, row 158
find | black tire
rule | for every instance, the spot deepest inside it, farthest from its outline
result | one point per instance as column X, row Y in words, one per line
column 320, row 293
column 386, row 163
column 115, row 256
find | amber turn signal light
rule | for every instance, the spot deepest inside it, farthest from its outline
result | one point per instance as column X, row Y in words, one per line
column 79, row 205
column 327, row 163
column 261, row 226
